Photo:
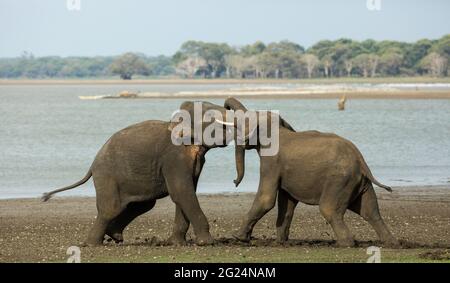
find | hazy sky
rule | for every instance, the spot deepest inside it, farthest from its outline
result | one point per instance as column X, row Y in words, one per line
column 110, row 27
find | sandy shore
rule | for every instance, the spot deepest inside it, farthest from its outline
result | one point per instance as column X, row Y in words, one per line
column 353, row 88
column 350, row 94
column 157, row 81
column 32, row 231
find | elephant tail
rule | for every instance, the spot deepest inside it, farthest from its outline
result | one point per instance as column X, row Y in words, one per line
column 368, row 174
column 366, row 171
column 47, row 196
column 373, row 180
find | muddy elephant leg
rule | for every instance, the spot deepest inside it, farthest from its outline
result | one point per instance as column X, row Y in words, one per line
column 182, row 191
column 333, row 204
column 133, row 210
column 286, row 207
column 366, row 205
column 264, row 201
column 108, row 207
column 181, row 223
column 97, row 232
column 180, row 228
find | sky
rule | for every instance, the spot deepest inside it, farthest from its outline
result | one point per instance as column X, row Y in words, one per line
column 112, row 27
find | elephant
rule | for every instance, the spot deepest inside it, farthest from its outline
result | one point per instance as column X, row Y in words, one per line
column 314, row 168
column 139, row 165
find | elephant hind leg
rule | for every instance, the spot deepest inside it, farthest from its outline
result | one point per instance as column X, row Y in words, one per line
column 366, row 205
column 286, row 207
column 108, row 207
column 332, row 205
column 132, row 210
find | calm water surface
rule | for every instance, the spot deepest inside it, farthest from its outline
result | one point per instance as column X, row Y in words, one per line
column 49, row 137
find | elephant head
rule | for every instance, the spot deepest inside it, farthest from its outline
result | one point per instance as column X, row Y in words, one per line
column 251, row 138
column 202, row 123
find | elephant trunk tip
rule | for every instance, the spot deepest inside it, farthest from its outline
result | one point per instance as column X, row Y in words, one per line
column 237, row 181
column 45, row 197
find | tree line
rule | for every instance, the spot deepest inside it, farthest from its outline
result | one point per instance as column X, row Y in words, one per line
column 284, row 59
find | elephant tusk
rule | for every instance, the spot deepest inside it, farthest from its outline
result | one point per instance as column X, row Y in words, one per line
column 175, row 113
column 225, row 123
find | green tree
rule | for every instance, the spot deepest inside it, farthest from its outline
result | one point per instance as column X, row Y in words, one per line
column 327, row 63
column 414, row 53
column 213, row 53
column 128, row 65
column 442, row 46
column 281, row 59
column 277, row 59
column 435, row 64
column 367, row 63
column 190, row 66
column 391, row 61
column 311, row 62
column 253, row 49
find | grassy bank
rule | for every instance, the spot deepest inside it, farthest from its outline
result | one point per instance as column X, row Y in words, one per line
column 267, row 254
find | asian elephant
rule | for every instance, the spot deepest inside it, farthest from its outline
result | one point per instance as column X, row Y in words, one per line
column 317, row 169
column 141, row 164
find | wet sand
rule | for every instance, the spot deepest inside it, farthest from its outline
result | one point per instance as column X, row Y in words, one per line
column 32, row 231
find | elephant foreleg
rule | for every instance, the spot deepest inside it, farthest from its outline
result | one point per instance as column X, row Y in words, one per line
column 181, row 222
column 286, row 207
column 182, row 191
column 264, row 201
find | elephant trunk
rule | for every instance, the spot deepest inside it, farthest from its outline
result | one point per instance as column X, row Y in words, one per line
column 240, row 163
column 234, row 104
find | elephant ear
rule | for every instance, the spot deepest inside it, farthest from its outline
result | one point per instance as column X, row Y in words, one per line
column 286, row 125
column 283, row 122
column 183, row 134
column 172, row 125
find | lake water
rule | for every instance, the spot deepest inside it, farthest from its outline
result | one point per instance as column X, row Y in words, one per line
column 49, row 137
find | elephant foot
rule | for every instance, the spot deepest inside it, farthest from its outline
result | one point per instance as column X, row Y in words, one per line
column 116, row 237
column 282, row 240
column 282, row 237
column 176, row 240
column 205, row 240
column 88, row 243
column 345, row 243
column 392, row 243
column 242, row 237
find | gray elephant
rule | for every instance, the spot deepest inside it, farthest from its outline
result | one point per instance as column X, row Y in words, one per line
column 314, row 168
column 141, row 164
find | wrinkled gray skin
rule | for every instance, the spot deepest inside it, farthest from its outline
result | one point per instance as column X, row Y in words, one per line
column 317, row 169
column 139, row 165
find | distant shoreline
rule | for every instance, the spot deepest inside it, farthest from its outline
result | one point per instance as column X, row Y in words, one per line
column 157, row 81
column 329, row 95
column 353, row 88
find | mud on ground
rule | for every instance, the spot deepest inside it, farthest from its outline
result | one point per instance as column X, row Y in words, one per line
column 32, row 231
